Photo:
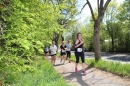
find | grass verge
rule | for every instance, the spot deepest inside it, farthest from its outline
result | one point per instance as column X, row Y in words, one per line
column 41, row 74
column 113, row 67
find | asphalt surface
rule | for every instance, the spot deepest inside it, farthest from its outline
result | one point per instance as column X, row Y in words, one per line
column 116, row 57
column 93, row 77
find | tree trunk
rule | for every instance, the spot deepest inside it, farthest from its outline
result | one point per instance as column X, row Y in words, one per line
column 101, row 10
column 97, row 40
column 56, row 37
column 112, row 43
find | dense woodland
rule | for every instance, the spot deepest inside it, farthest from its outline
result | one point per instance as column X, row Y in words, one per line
column 26, row 26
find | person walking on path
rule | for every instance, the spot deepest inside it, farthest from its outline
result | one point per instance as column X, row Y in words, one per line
column 46, row 51
column 79, row 52
column 68, row 50
column 63, row 52
column 53, row 49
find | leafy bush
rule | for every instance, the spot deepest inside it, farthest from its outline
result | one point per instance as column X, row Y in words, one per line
column 43, row 74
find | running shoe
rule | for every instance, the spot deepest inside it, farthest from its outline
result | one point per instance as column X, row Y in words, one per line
column 76, row 69
column 84, row 72
column 63, row 63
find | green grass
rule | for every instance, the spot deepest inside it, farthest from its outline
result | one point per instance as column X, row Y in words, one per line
column 113, row 67
column 41, row 74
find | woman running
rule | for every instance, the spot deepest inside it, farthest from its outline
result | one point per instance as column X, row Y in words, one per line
column 46, row 51
column 68, row 50
column 79, row 52
column 63, row 52
column 53, row 49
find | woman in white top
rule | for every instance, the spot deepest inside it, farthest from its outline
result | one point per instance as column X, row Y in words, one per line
column 53, row 49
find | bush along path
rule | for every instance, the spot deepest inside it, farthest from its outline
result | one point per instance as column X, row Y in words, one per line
column 39, row 73
column 93, row 77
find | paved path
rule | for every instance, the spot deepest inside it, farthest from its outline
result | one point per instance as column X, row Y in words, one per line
column 94, row 77
column 116, row 57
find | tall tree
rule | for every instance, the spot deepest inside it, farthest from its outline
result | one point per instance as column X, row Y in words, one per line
column 68, row 10
column 111, row 21
column 124, row 22
column 101, row 6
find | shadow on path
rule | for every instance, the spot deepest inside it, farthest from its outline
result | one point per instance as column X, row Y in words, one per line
column 77, row 76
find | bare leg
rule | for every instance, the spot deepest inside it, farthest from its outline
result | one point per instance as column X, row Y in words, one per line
column 64, row 57
column 76, row 69
column 54, row 59
column 69, row 60
column 47, row 54
column 76, row 65
column 83, row 65
column 61, row 58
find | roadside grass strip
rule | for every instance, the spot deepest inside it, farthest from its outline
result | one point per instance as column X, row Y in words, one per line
column 110, row 66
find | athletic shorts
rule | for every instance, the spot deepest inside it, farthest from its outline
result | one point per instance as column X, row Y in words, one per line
column 62, row 53
column 53, row 55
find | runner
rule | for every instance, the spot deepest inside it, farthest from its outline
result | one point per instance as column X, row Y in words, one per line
column 68, row 51
column 46, row 51
column 53, row 49
column 79, row 52
column 63, row 52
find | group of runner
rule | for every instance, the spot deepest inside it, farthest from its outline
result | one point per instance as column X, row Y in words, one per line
column 65, row 52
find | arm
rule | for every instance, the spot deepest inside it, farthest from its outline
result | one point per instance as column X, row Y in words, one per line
column 56, row 49
column 51, row 50
column 76, row 43
column 60, row 47
column 65, row 47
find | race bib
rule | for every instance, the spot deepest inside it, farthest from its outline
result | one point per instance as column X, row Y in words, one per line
column 63, row 51
column 79, row 49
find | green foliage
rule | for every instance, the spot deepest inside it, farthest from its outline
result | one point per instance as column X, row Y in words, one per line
column 27, row 26
column 39, row 73
column 116, row 28
column 87, row 34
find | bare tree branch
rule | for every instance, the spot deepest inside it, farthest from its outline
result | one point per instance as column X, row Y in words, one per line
column 102, row 10
column 101, row 4
column 105, row 6
column 92, row 13
column 98, row 6
column 83, row 7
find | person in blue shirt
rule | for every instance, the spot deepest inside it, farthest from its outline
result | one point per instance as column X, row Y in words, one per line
column 68, row 50
column 46, row 51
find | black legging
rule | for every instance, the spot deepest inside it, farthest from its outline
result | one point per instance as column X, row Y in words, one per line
column 68, row 54
column 79, row 54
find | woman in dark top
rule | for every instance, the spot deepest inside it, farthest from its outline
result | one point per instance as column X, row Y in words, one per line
column 79, row 52
column 63, row 52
